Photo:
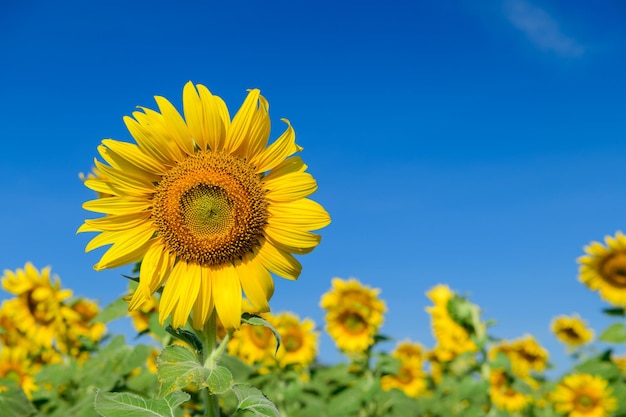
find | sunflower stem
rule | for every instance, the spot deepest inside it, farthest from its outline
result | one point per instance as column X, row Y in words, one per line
column 209, row 344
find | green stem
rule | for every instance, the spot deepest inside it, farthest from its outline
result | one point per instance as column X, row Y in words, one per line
column 209, row 345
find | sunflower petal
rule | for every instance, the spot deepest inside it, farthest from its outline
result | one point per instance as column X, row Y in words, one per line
column 203, row 306
column 290, row 187
column 274, row 154
column 278, row 261
column 227, row 295
column 257, row 283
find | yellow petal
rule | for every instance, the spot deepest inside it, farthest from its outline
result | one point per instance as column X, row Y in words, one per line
column 244, row 126
column 101, row 186
column 129, row 249
column 303, row 213
column 278, row 261
column 192, row 108
column 175, row 125
column 227, row 295
column 135, row 156
column 117, row 205
column 159, row 133
column 146, row 141
column 292, row 237
column 155, row 266
column 203, row 306
column 125, row 183
column 290, row 187
column 216, row 118
column 121, row 163
column 257, row 283
column 186, row 285
column 118, row 222
column 276, row 153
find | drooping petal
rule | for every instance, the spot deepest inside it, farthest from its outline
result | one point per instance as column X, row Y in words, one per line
column 227, row 295
column 129, row 249
column 155, row 267
column 118, row 222
column 133, row 154
column 204, row 305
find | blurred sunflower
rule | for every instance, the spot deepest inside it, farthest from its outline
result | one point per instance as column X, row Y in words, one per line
column 410, row 378
column 15, row 365
column 140, row 316
column 503, row 395
column 298, row 340
column 584, row 395
column 571, row 330
column 254, row 344
column 452, row 338
column 526, row 356
column 208, row 206
column 354, row 314
column 603, row 269
column 38, row 310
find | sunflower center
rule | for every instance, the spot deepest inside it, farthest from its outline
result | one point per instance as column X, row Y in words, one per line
column 292, row 342
column 261, row 336
column 585, row 402
column 354, row 323
column 210, row 208
column 614, row 269
column 571, row 334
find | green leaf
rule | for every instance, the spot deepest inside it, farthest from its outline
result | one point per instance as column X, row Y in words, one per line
column 116, row 310
column 615, row 312
column 615, row 333
column 186, row 336
column 252, row 400
column 124, row 404
column 178, row 367
column 255, row 320
column 13, row 401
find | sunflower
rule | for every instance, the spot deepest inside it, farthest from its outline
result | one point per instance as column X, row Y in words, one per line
column 15, row 365
column 452, row 338
column 38, row 310
column 410, row 378
column 254, row 344
column 503, row 395
column 603, row 269
column 571, row 330
column 354, row 314
column 208, row 207
column 298, row 340
column 584, row 395
column 526, row 356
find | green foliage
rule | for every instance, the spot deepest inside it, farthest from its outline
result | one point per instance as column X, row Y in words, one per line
column 254, row 320
column 615, row 333
column 179, row 367
column 123, row 404
column 13, row 401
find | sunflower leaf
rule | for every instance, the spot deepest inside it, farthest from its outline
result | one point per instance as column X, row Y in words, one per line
column 615, row 311
column 254, row 320
column 178, row 367
column 116, row 310
column 124, row 404
column 13, row 401
column 615, row 333
column 253, row 401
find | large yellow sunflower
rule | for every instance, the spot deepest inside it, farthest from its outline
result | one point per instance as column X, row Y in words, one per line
column 571, row 330
column 584, row 395
column 206, row 204
column 603, row 269
column 38, row 310
column 354, row 314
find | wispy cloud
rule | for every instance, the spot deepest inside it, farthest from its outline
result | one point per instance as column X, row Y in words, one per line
column 541, row 28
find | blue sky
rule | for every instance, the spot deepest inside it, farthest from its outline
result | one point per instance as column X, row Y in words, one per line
column 478, row 144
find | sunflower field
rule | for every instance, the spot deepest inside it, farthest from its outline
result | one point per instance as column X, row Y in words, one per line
column 208, row 212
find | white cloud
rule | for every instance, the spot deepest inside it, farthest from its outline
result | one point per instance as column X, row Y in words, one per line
column 541, row 28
